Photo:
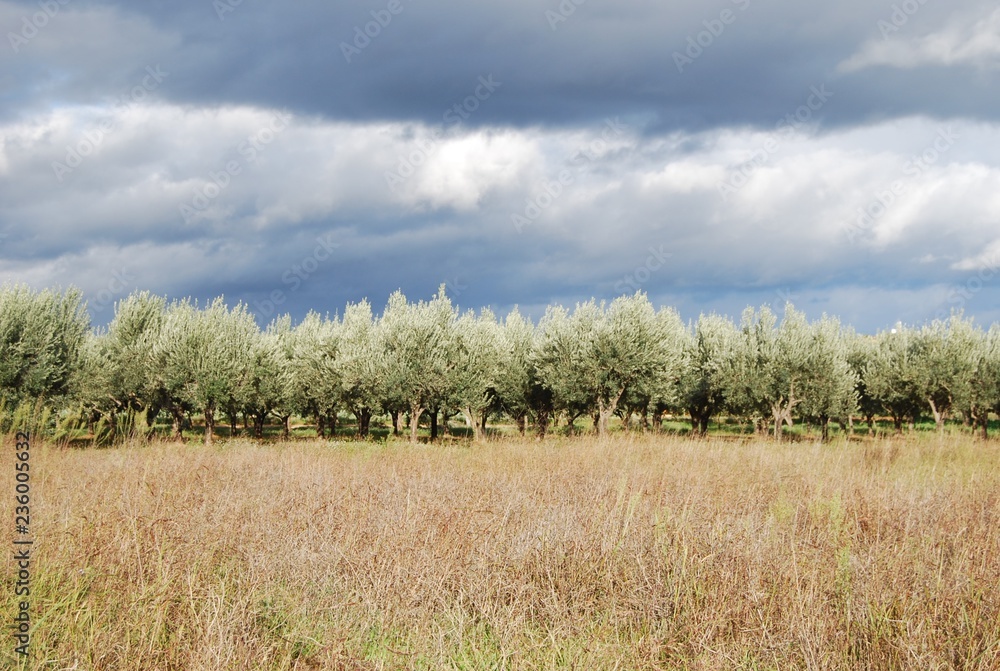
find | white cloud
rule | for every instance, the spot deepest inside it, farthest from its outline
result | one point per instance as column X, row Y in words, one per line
column 967, row 41
column 787, row 225
column 988, row 259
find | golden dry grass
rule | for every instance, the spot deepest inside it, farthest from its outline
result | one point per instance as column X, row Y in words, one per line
column 635, row 553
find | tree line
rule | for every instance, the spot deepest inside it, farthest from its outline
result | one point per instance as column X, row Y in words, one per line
column 426, row 359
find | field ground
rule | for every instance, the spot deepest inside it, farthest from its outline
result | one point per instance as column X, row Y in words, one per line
column 672, row 426
column 638, row 552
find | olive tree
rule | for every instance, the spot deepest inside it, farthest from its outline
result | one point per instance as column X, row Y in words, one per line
column 41, row 335
column 116, row 374
column 360, row 366
column 593, row 356
column 703, row 381
column 476, row 346
column 203, row 356
column 660, row 387
column 417, row 338
column 944, row 354
column 987, row 379
column 978, row 393
column 892, row 375
column 830, row 388
column 561, row 359
column 313, row 381
column 519, row 391
column 769, row 373
column 267, row 387
column 861, row 351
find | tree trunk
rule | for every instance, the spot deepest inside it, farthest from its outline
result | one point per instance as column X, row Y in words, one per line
column 522, row 422
column 482, row 423
column 320, row 425
column 603, row 420
column 658, row 420
column 364, row 417
column 778, row 413
column 178, row 422
column 938, row 415
column 703, row 425
column 541, row 423
column 434, row 424
column 604, row 413
column 415, row 412
column 825, row 424
column 286, row 430
column 258, row 426
column 232, row 426
column 472, row 419
column 209, row 425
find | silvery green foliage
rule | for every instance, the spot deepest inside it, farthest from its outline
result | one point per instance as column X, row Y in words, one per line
column 597, row 360
column 703, row 381
column 314, row 388
column 417, row 338
column 661, row 388
column 476, row 344
column 519, row 391
column 41, row 334
column 769, row 375
column 590, row 358
column 892, row 376
column 944, row 354
column 267, row 388
column 360, row 365
column 974, row 371
column 987, row 381
column 560, row 358
column 829, row 388
column 203, row 356
column 116, row 371
column 861, row 351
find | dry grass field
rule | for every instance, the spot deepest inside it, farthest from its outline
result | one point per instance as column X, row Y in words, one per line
column 634, row 553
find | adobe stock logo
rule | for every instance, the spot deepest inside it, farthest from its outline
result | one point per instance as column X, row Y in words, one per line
column 92, row 139
column 363, row 35
column 408, row 164
column 36, row 22
column 714, row 28
column 657, row 258
column 297, row 275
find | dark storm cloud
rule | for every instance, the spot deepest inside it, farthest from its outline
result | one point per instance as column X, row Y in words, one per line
column 688, row 65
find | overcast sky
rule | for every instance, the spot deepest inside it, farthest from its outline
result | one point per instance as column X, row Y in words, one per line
column 714, row 154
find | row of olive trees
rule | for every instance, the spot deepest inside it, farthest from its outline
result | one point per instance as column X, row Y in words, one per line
column 425, row 359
